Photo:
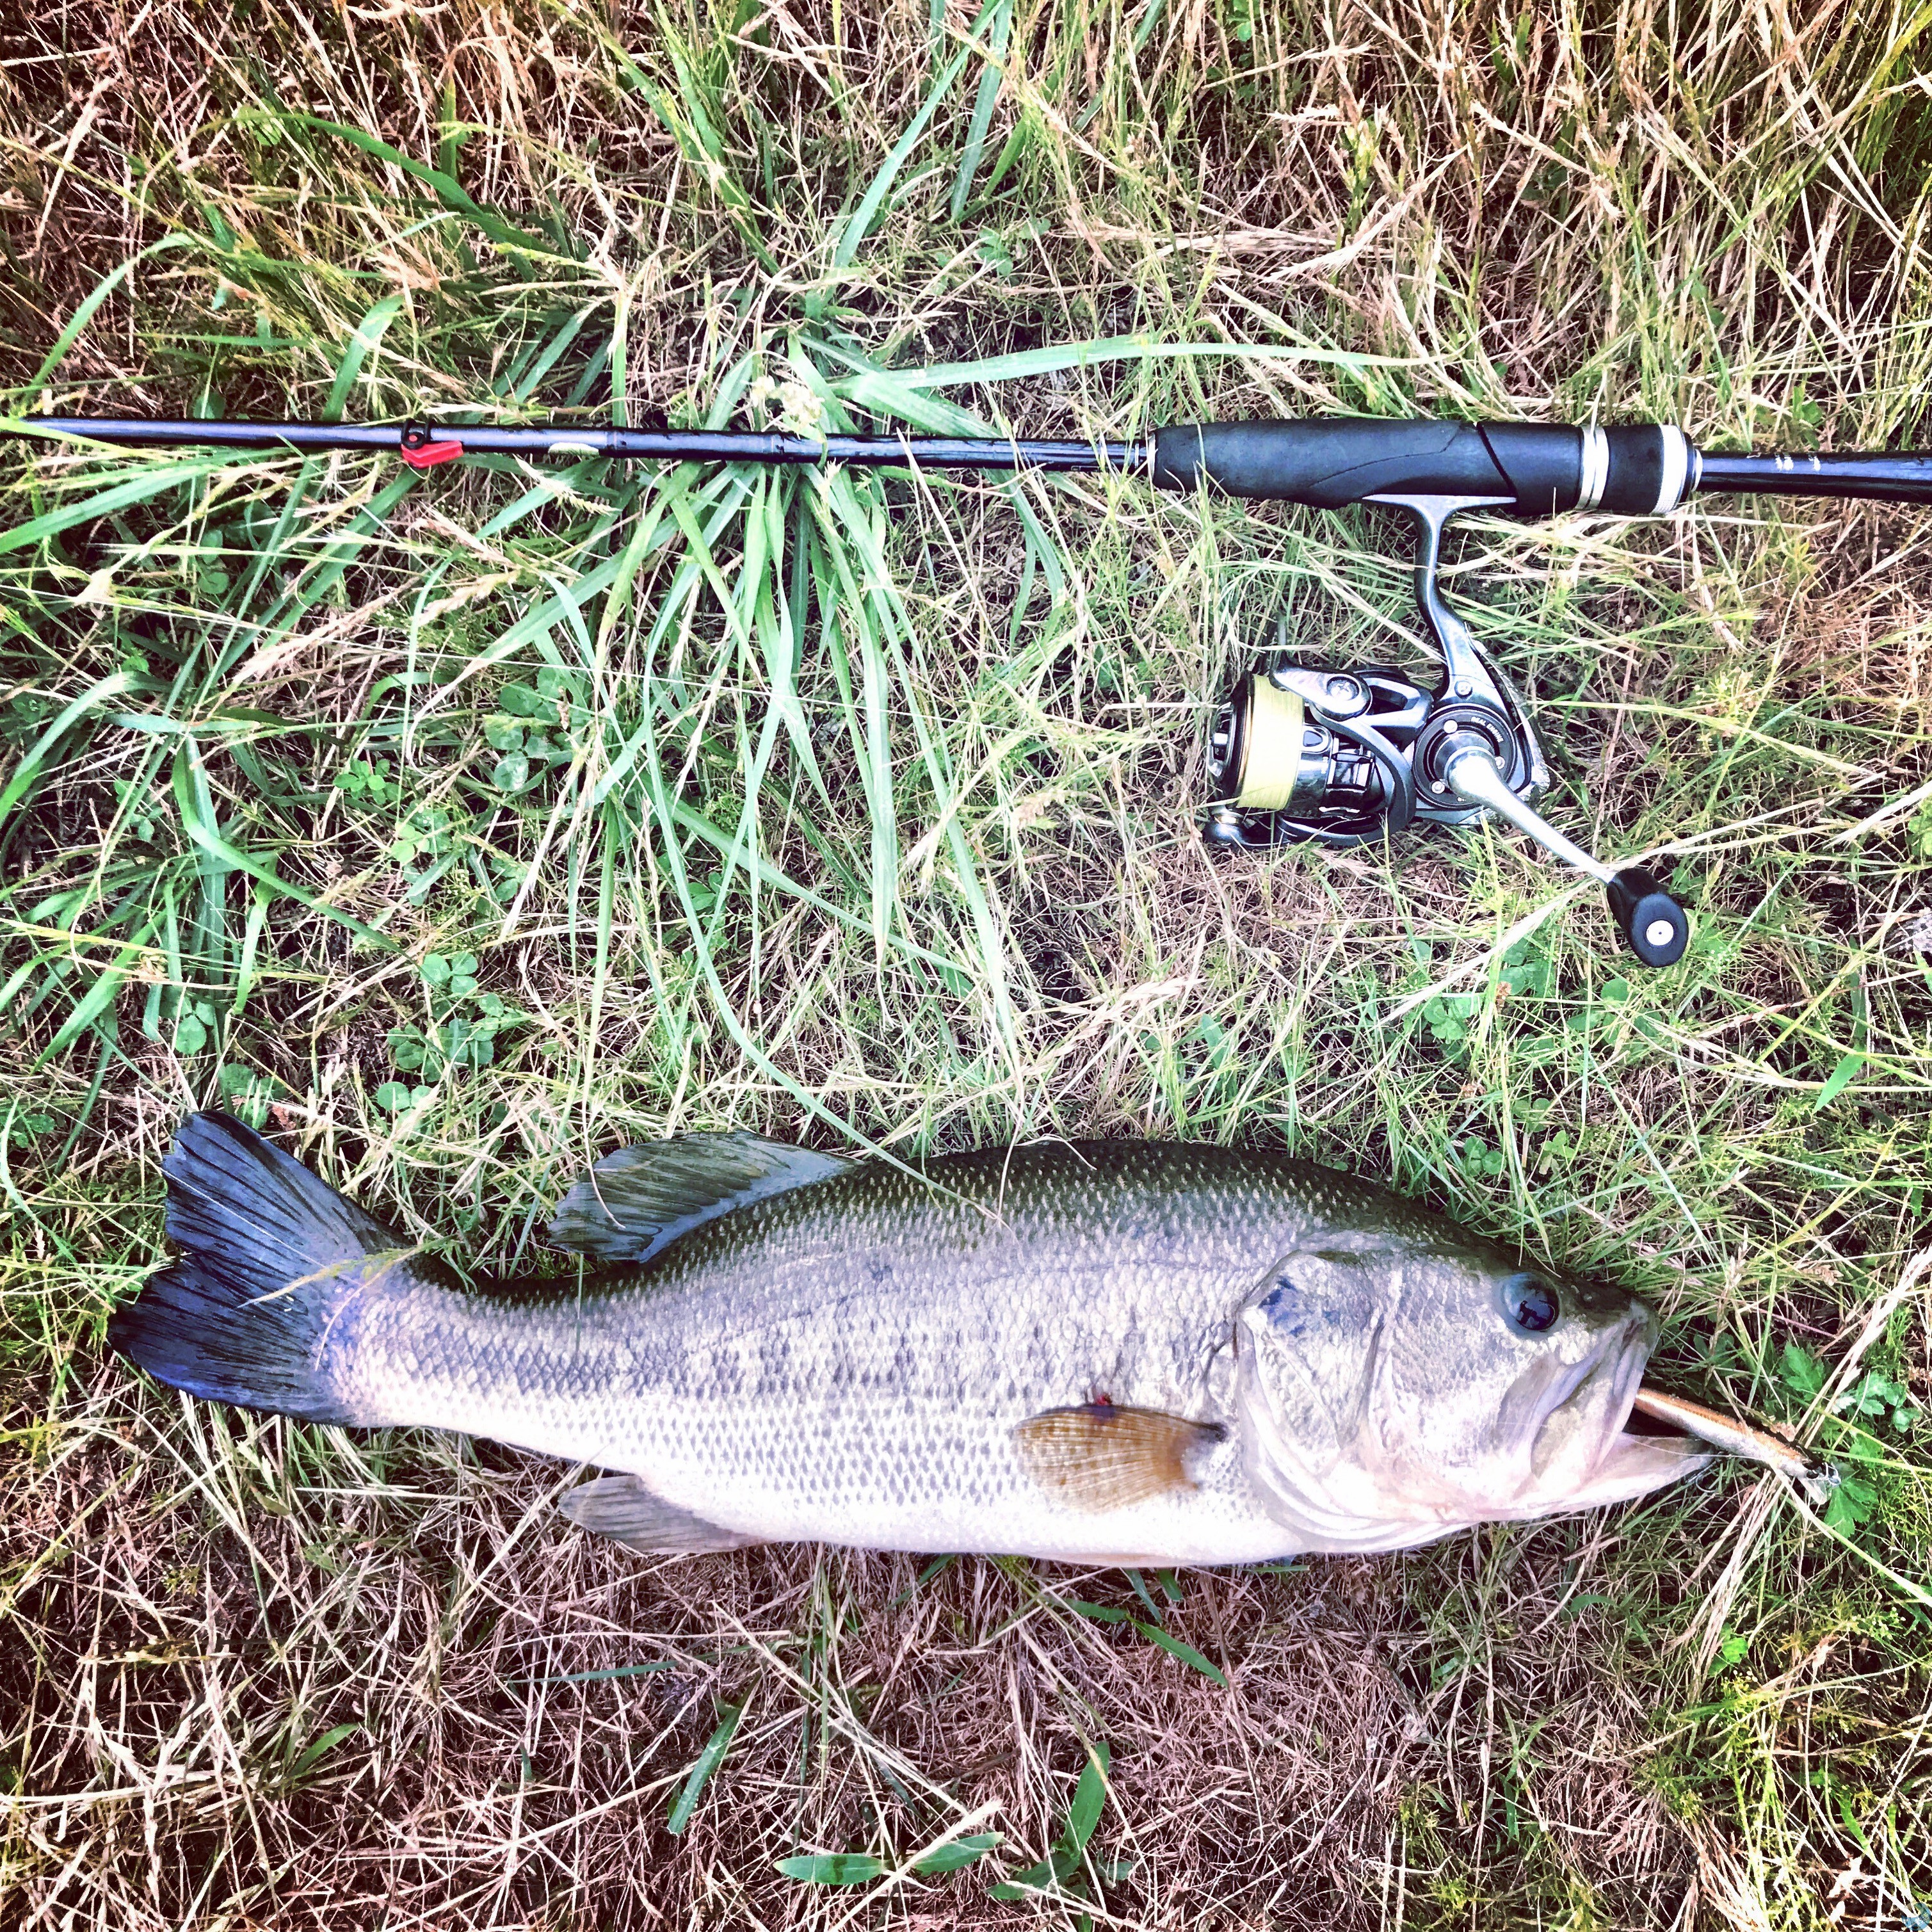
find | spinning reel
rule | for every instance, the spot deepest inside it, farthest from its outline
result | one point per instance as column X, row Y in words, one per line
column 1342, row 757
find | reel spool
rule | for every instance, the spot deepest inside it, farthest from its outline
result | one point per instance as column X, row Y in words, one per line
column 1255, row 755
column 1301, row 752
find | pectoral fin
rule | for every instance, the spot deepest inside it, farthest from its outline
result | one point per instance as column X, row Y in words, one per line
column 623, row 1509
column 1102, row 1457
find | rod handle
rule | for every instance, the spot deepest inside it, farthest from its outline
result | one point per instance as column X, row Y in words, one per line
column 1656, row 928
column 1536, row 469
column 1327, row 461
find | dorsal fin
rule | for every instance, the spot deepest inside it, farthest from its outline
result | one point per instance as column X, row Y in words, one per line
column 640, row 1199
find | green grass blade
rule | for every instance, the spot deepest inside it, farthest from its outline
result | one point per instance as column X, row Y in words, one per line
column 1176, row 1647
column 1029, row 364
column 998, row 28
column 99, row 996
column 362, row 342
column 859, row 223
column 336, row 1734
column 222, row 857
column 833, row 1868
column 152, row 482
column 446, row 188
column 21, row 779
column 956, row 1855
column 90, row 305
column 706, row 1763
column 1090, row 1796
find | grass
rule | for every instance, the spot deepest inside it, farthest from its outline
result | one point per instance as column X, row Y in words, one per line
column 460, row 827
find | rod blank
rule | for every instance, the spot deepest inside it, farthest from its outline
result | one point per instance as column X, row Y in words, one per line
column 1902, row 477
column 636, row 445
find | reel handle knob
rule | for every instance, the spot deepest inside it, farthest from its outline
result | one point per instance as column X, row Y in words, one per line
column 1655, row 925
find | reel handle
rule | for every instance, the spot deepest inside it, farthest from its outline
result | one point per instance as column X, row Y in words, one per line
column 1654, row 926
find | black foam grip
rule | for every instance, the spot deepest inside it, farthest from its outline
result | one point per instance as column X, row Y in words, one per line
column 1655, row 925
column 1636, row 476
column 1327, row 461
column 1544, row 462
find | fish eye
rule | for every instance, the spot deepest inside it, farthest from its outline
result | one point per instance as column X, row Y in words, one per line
column 1530, row 1302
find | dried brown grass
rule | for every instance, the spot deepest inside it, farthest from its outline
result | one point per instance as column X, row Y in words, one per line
column 444, row 1611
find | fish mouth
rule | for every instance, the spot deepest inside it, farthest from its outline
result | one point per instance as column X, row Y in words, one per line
column 1650, row 1438
column 1639, row 1454
column 1594, row 1404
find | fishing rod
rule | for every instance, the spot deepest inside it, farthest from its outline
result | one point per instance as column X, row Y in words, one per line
column 1298, row 751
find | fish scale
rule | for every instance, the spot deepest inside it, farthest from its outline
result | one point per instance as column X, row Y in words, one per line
column 1113, row 1350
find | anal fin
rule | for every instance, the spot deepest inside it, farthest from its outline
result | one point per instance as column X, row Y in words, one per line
column 1102, row 1456
column 623, row 1509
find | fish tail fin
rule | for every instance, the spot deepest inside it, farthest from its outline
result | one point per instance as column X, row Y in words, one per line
column 271, row 1259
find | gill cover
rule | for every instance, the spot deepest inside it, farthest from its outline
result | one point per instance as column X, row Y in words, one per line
column 1309, row 1356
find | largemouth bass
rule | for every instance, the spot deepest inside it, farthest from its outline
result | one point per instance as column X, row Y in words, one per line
column 1111, row 1352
